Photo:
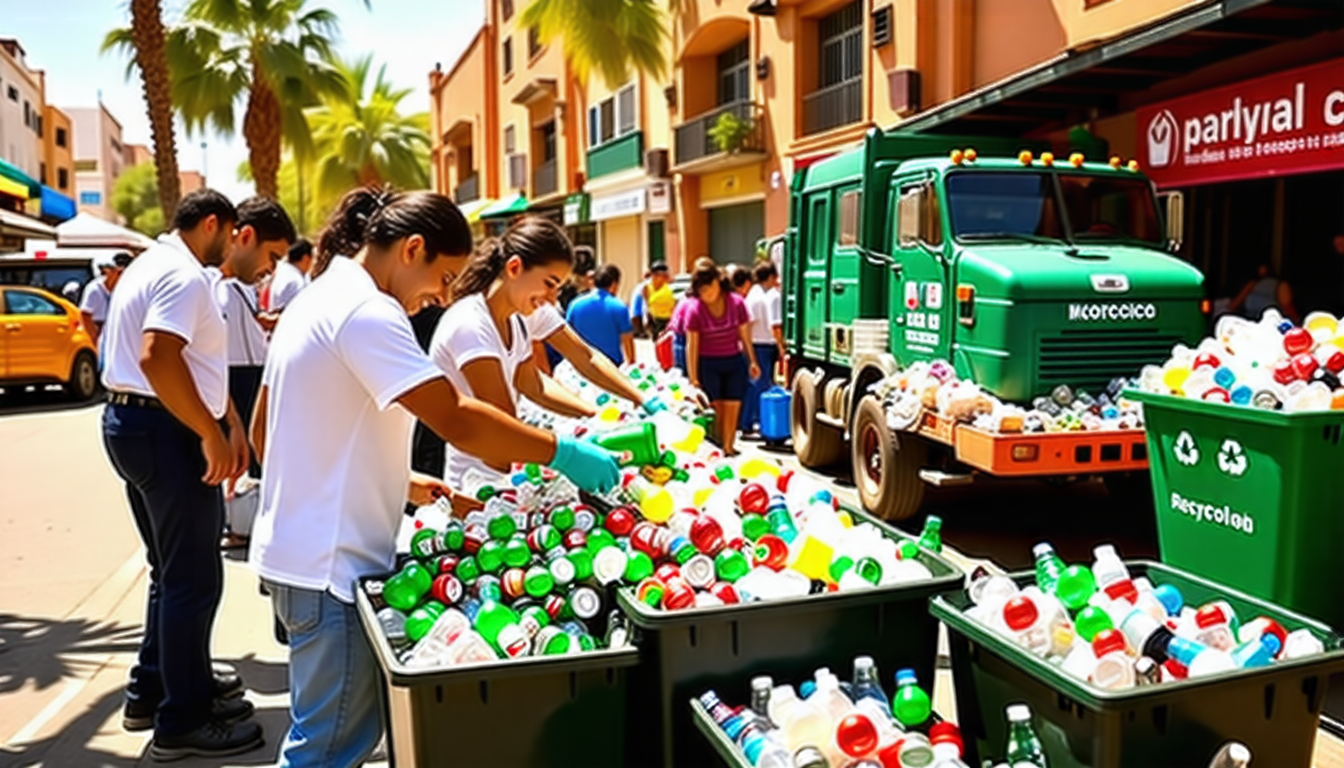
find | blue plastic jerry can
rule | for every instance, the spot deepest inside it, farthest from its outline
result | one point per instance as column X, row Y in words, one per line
column 775, row 403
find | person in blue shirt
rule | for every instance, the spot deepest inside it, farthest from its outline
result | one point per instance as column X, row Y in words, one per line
column 602, row 319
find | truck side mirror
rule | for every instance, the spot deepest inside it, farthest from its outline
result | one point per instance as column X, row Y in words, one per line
column 1175, row 204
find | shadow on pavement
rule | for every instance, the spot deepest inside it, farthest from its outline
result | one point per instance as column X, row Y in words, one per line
column 270, row 678
column 15, row 402
column 43, row 651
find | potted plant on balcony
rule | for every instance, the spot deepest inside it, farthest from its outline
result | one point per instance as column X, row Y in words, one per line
column 730, row 132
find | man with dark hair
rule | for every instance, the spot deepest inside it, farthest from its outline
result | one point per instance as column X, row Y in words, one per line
column 98, row 294
column 261, row 241
column 291, row 275
column 767, row 337
column 173, row 436
column 601, row 319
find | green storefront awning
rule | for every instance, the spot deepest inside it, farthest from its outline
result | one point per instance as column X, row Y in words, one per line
column 13, row 173
column 506, row 208
column 577, row 209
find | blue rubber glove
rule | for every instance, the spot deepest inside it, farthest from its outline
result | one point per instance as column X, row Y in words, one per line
column 653, row 405
column 590, row 466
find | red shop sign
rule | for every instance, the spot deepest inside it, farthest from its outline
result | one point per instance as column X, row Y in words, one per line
column 1290, row 122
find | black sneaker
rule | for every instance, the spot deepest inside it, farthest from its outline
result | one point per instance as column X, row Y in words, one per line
column 139, row 715
column 214, row 739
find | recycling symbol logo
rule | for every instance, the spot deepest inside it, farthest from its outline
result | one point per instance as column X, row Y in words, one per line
column 1231, row 458
column 1185, row 450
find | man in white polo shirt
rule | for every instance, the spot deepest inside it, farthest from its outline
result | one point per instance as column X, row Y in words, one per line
column 98, row 294
column 291, row 276
column 173, row 436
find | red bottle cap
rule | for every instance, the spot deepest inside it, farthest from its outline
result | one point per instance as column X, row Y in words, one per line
column 1108, row 641
column 855, row 735
column 447, row 589
column 620, row 521
column 1284, row 373
column 513, row 582
column 1304, row 365
column 753, row 499
column 1210, row 615
column 553, row 604
column 644, row 537
column 890, row 755
column 1263, row 625
column 1123, row 589
column 667, row 571
column 946, row 733
column 783, row 482
column 473, row 537
column 447, row 563
column 771, row 551
column 1176, row 669
column 1205, row 360
column 575, row 539
column 707, row 534
column 1020, row 613
column 679, row 595
column 1218, row 394
column 725, row 592
column 1297, row 341
column 1334, row 361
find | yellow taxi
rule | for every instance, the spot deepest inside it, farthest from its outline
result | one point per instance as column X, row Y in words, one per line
column 42, row 341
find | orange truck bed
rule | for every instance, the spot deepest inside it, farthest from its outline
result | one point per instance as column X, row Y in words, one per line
column 1050, row 453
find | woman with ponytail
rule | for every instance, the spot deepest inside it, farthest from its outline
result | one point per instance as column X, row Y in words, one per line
column 344, row 382
column 482, row 342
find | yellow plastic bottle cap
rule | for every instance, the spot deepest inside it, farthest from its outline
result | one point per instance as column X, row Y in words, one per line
column 753, row 468
column 1175, row 378
column 656, row 506
column 845, row 519
column 813, row 559
column 610, row 413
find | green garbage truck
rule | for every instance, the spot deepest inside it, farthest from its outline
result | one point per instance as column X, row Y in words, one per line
column 1023, row 270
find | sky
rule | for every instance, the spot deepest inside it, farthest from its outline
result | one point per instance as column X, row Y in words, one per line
column 64, row 38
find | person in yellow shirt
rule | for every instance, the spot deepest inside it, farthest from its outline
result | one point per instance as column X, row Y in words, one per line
column 659, row 299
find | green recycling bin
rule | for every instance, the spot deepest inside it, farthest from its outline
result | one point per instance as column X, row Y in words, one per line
column 1251, row 498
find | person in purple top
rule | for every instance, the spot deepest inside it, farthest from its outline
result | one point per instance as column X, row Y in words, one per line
column 719, row 353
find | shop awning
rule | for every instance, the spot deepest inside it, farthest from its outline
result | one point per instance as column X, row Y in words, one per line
column 12, row 172
column 473, row 209
column 13, row 188
column 89, row 231
column 57, row 206
column 18, row 225
column 1113, row 77
column 506, row 208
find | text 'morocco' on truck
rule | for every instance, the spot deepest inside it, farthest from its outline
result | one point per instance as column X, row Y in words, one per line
column 1024, row 272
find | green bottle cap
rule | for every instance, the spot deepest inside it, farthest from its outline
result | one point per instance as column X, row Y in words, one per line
column 516, row 553
column 600, row 538
column 587, row 643
column 501, row 527
column 731, row 565
column 840, row 566
column 583, row 563
column 491, row 556
column 724, row 472
column 552, row 641
column 425, row 543
column 535, row 614
column 485, row 493
column 603, row 398
column 533, row 472
column 562, row 517
column 638, row 566
column 684, row 550
column 538, row 582
column 454, row 537
column 754, row 526
column 468, row 570
column 399, row 592
column 908, row 550
column 869, row 570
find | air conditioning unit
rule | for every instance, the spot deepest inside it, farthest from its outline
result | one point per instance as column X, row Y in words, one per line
column 655, row 163
column 518, row 171
column 904, row 91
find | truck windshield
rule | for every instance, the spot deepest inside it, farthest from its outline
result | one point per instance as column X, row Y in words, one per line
column 1012, row 205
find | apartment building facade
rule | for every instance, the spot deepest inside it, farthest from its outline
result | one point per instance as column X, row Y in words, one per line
column 100, row 157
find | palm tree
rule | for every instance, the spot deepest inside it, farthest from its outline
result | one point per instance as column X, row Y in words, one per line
column 146, row 38
column 609, row 37
column 360, row 137
column 274, row 53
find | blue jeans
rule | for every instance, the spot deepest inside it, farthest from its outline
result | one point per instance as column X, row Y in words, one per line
column 335, row 690
column 679, row 353
column 180, row 520
column 766, row 354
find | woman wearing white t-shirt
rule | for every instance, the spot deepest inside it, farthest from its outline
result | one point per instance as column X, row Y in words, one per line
column 344, row 382
column 482, row 341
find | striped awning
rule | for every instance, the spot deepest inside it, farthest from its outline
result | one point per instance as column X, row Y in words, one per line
column 11, row 172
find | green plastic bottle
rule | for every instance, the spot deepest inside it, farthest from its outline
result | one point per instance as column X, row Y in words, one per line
column 501, row 527
column 562, row 518
column 910, row 706
column 517, row 553
column 499, row 625
column 404, row 590
column 1024, row 748
column 754, row 526
column 907, row 550
column 1092, row 620
column 638, row 566
column 583, row 563
column 422, row 618
column 731, row 565
column 538, row 581
column 840, row 566
column 491, row 556
column 931, row 537
column 468, row 570
column 1076, row 586
column 426, row 543
column 1048, row 567
column 454, row 536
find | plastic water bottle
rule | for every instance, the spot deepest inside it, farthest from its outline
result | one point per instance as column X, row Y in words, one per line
column 760, row 695
column 1048, row 567
column 829, row 696
column 1112, row 575
column 1024, row 748
column 1257, row 652
column 1075, row 586
column 1301, row 643
column 947, row 746
column 1199, row 660
column 910, row 706
column 782, row 700
column 1214, row 627
column 808, row 726
column 866, row 683
column 1115, row 669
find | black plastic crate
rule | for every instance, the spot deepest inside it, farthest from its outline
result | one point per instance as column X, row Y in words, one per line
column 683, row 653
column 1274, row 710
column 550, row 711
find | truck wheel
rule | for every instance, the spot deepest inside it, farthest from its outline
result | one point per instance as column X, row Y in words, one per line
column 83, row 381
column 816, row 444
column 886, row 464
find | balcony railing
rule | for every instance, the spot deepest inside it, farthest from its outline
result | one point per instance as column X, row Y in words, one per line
column 833, row 106
column 543, row 179
column 695, row 142
column 468, row 190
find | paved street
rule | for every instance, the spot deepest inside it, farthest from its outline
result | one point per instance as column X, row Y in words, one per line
column 71, row 600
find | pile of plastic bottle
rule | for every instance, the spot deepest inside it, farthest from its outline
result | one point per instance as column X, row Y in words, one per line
column 1100, row 625
column 1271, row 364
column 664, row 391
column 523, row 577
column 829, row 722
column 934, row 386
